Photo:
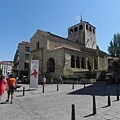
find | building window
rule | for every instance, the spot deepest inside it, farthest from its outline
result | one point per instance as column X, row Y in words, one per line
column 80, row 27
column 94, row 31
column 77, row 62
column 71, row 31
column 75, row 29
column 90, row 29
column 51, row 65
column 26, row 56
column 87, row 27
column 37, row 45
column 89, row 65
column 72, row 61
column 27, row 49
column 83, row 63
column 26, row 66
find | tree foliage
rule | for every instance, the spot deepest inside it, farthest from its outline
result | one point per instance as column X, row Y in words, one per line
column 114, row 48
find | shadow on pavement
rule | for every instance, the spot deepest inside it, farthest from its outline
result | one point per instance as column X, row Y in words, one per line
column 88, row 115
column 97, row 89
column 4, row 103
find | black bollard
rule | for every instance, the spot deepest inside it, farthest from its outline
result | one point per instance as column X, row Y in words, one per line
column 43, row 88
column 57, row 88
column 73, row 112
column 94, row 105
column 109, row 101
column 73, row 85
column 84, row 85
column 117, row 94
column 23, row 91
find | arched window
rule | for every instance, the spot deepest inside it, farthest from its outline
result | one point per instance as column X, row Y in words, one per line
column 51, row 65
column 86, row 27
column 89, row 65
column 72, row 61
column 80, row 27
column 83, row 63
column 75, row 29
column 71, row 31
column 90, row 29
column 77, row 62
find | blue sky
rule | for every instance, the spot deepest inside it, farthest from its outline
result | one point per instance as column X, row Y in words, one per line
column 20, row 19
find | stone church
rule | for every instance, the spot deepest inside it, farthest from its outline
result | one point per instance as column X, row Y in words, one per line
column 78, row 52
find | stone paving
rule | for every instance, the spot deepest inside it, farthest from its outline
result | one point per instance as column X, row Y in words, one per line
column 57, row 105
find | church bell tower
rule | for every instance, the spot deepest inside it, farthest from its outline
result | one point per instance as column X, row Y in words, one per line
column 83, row 33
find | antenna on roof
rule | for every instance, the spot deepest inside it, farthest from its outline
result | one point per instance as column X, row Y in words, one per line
column 81, row 18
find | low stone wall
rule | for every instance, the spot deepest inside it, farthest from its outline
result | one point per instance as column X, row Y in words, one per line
column 92, row 80
column 82, row 81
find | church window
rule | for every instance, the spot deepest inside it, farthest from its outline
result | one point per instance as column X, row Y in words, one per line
column 72, row 61
column 71, row 31
column 37, row 45
column 90, row 29
column 77, row 40
column 75, row 29
column 87, row 27
column 93, row 30
column 83, row 63
column 77, row 62
column 80, row 27
column 89, row 65
column 51, row 65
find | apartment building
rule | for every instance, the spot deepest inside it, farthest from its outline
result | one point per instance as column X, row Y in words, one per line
column 21, row 60
column 6, row 67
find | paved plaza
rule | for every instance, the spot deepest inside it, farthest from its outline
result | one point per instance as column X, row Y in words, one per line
column 57, row 105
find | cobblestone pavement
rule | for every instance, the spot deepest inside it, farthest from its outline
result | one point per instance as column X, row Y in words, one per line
column 57, row 105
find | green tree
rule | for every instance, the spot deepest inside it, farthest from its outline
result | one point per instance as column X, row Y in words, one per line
column 114, row 48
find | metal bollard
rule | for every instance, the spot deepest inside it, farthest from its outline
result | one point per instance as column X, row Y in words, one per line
column 117, row 94
column 23, row 91
column 43, row 89
column 109, row 101
column 57, row 88
column 73, row 112
column 84, row 85
column 73, row 85
column 94, row 105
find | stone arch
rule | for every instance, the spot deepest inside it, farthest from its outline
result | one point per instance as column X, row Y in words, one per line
column 72, row 61
column 77, row 62
column 51, row 65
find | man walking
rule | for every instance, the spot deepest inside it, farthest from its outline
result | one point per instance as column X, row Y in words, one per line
column 11, row 84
